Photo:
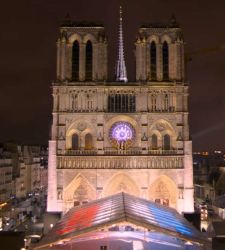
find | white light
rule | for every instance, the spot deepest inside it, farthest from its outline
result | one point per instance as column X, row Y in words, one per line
column 51, row 225
column 138, row 245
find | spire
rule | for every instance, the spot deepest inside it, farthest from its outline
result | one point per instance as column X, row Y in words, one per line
column 121, row 72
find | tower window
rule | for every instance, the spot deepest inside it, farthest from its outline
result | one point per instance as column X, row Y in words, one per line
column 165, row 61
column 75, row 61
column 153, row 60
column 89, row 59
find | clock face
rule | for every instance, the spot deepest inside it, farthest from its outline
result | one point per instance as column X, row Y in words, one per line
column 122, row 132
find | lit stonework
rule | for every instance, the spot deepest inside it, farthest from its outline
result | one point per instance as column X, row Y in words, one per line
column 150, row 157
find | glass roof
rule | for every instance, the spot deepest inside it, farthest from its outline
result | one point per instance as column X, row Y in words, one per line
column 120, row 208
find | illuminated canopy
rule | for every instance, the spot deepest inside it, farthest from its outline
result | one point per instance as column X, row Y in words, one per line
column 118, row 208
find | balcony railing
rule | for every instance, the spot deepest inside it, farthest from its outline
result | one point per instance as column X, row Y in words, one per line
column 129, row 151
column 81, row 151
column 114, row 151
column 165, row 151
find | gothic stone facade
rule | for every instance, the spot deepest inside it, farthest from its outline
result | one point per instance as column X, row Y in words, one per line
column 109, row 137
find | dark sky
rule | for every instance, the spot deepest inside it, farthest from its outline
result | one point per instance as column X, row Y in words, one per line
column 29, row 30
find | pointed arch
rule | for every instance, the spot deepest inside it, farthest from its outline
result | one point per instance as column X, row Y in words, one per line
column 153, row 60
column 165, row 61
column 121, row 182
column 79, row 190
column 164, row 191
column 75, row 60
column 89, row 61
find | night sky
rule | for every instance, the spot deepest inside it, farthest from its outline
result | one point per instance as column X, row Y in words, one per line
column 29, row 30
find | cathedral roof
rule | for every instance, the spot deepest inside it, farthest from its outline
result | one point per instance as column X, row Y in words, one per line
column 119, row 208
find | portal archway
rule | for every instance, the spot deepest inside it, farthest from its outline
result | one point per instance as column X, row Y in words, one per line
column 121, row 182
column 163, row 190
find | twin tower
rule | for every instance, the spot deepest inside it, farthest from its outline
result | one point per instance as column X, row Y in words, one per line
column 120, row 136
column 82, row 53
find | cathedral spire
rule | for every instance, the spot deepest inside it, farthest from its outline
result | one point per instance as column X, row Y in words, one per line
column 121, row 72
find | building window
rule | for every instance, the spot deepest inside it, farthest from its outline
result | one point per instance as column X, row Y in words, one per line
column 154, row 142
column 165, row 61
column 75, row 142
column 153, row 102
column 121, row 103
column 88, row 141
column 166, row 102
column 89, row 59
column 166, row 142
column 76, row 203
column 75, row 61
column 153, row 60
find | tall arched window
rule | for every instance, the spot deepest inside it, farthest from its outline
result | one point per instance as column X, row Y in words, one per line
column 88, row 63
column 75, row 61
column 165, row 61
column 154, row 142
column 88, row 141
column 166, row 142
column 153, row 60
column 75, row 142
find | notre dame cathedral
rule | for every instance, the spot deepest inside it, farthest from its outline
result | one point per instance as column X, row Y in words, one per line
column 120, row 136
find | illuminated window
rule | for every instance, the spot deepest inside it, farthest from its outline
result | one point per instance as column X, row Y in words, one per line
column 88, row 141
column 75, row 61
column 165, row 61
column 153, row 60
column 75, row 142
column 89, row 59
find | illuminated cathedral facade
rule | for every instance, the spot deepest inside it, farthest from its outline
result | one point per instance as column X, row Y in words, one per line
column 120, row 136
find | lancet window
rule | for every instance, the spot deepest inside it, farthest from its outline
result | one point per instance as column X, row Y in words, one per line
column 75, row 142
column 88, row 61
column 75, row 61
column 153, row 60
column 165, row 61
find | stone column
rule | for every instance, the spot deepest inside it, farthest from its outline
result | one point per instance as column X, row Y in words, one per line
column 95, row 62
column 58, row 71
column 138, row 60
column 82, row 62
column 172, row 61
column 143, row 66
column 69, row 47
column 52, row 178
column 105, row 61
column 159, row 69
column 188, row 178
column 63, row 59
